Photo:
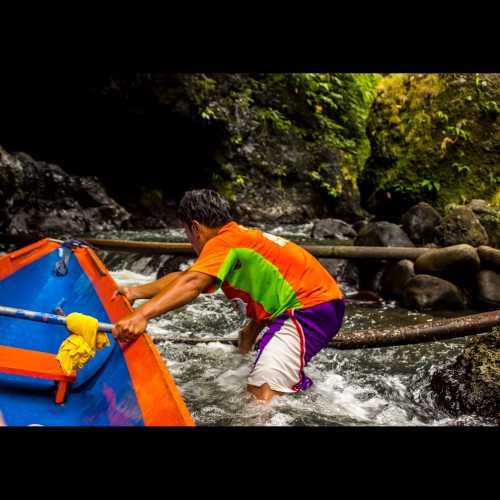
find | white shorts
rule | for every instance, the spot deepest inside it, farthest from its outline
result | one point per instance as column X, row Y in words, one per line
column 289, row 342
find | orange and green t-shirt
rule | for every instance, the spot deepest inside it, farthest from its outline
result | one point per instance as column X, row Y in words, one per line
column 268, row 273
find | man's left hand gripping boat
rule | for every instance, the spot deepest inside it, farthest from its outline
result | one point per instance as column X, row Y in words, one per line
column 123, row 385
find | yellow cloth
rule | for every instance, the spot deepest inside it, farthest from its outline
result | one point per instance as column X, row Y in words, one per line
column 79, row 347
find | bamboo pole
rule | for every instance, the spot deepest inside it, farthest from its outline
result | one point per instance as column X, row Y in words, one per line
column 320, row 251
column 416, row 334
column 325, row 251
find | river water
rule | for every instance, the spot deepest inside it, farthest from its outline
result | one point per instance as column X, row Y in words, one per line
column 382, row 387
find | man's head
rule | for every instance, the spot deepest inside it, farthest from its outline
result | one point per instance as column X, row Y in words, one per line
column 202, row 212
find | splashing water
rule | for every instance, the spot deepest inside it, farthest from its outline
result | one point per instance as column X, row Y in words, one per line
column 381, row 386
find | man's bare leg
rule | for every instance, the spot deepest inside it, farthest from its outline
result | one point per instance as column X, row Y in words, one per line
column 264, row 392
column 248, row 335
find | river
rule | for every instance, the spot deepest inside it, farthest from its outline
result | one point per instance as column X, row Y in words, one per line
column 368, row 387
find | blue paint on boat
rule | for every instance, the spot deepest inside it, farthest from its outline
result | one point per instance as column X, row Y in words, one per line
column 103, row 393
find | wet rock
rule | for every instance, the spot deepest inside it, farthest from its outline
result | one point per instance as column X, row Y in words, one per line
column 457, row 263
column 471, row 384
column 488, row 288
column 365, row 296
column 419, row 222
column 481, row 207
column 131, row 261
column 489, row 217
column 461, row 226
column 370, row 275
column 395, row 278
column 39, row 197
column 334, row 229
column 360, row 224
column 378, row 234
column 425, row 292
column 489, row 257
column 491, row 224
column 336, row 267
column 384, row 234
column 351, row 274
column 172, row 264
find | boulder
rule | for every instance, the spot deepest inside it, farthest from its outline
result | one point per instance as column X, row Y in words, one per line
column 425, row 292
column 482, row 207
column 360, row 224
column 488, row 288
column 461, row 226
column 419, row 222
column 384, row 234
column 336, row 267
column 457, row 263
column 489, row 217
column 334, row 229
column 395, row 278
column 351, row 274
column 365, row 296
column 38, row 197
column 370, row 275
column 491, row 224
column 489, row 257
column 172, row 265
column 471, row 384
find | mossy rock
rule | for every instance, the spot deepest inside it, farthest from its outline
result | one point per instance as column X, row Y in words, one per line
column 434, row 138
column 472, row 383
column 294, row 143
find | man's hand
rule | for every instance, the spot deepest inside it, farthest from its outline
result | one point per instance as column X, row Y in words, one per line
column 128, row 292
column 130, row 327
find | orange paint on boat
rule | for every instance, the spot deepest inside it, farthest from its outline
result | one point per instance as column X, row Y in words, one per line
column 159, row 398
column 13, row 261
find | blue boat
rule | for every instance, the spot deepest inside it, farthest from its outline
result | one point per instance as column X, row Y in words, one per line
column 123, row 385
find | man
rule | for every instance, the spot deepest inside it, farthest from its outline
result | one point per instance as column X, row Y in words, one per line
column 292, row 301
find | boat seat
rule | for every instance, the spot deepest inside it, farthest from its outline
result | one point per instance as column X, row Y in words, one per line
column 36, row 364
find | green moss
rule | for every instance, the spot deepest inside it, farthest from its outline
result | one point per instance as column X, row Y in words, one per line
column 428, row 133
column 281, row 126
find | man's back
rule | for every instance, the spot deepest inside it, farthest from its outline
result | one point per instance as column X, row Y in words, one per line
column 270, row 274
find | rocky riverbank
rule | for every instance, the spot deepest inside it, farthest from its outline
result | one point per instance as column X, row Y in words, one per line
column 471, row 384
column 395, row 160
column 41, row 198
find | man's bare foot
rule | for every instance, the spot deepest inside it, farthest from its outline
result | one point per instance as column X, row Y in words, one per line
column 264, row 392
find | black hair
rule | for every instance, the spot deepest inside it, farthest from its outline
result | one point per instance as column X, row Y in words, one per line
column 206, row 206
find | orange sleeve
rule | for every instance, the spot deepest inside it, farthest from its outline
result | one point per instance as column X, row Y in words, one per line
column 211, row 260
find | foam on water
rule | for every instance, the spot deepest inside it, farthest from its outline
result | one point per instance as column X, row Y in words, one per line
column 388, row 386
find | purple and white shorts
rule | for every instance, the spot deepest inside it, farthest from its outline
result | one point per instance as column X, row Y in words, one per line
column 289, row 342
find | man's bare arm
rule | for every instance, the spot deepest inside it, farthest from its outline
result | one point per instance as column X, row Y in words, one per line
column 182, row 290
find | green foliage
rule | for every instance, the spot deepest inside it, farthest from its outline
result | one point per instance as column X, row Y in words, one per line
column 458, row 131
column 431, row 185
column 442, row 117
column 493, row 179
column 326, row 187
column 314, row 113
column 276, row 118
column 236, row 139
column 240, row 180
column 440, row 160
column 460, row 167
column 490, row 108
